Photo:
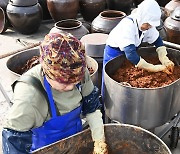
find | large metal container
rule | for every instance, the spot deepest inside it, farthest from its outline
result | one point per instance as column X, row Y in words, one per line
column 94, row 44
column 18, row 61
column 145, row 107
column 120, row 138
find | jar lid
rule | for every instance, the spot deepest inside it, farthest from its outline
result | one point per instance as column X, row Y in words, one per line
column 176, row 14
column 23, row 2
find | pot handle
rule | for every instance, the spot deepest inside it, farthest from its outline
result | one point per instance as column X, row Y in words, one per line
column 115, row 121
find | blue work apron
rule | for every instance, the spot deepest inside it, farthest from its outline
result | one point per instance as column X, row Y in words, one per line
column 58, row 127
column 109, row 53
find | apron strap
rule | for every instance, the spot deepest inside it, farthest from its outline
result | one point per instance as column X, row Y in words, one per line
column 50, row 97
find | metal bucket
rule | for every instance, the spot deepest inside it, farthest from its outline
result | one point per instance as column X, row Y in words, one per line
column 94, row 44
column 145, row 107
column 120, row 138
column 92, row 63
column 18, row 61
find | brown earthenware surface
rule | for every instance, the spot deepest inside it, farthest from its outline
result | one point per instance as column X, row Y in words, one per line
column 143, row 79
column 172, row 25
column 25, row 20
column 91, row 9
column 106, row 21
column 63, row 9
column 120, row 5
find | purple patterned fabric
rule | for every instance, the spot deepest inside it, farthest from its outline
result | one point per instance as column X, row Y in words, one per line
column 62, row 57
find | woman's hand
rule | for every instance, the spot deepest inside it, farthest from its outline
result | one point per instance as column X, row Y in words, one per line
column 162, row 54
column 100, row 147
column 152, row 68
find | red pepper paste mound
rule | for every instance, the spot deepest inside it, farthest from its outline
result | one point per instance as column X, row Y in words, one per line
column 140, row 78
column 34, row 61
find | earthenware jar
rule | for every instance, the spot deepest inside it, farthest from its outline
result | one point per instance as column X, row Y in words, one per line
column 163, row 2
column 46, row 14
column 63, row 9
column 3, row 21
column 164, row 13
column 91, row 8
column 172, row 24
column 120, row 5
column 72, row 26
column 162, row 30
column 24, row 15
column 3, row 4
column 137, row 2
column 106, row 21
column 170, row 7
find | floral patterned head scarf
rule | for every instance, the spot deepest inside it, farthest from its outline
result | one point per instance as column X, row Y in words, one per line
column 62, row 57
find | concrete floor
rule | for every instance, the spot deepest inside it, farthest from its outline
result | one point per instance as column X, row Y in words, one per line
column 8, row 43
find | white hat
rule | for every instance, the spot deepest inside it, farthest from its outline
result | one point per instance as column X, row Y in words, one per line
column 148, row 12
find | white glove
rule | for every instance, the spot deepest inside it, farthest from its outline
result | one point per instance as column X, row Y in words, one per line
column 95, row 122
column 151, row 68
column 162, row 55
column 97, row 131
column 100, row 147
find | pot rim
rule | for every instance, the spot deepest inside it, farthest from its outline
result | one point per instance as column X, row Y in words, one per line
column 23, row 3
column 68, row 20
column 141, row 129
column 123, row 14
column 136, row 88
column 90, row 59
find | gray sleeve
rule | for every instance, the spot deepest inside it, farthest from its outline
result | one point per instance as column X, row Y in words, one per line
column 29, row 108
column 87, row 84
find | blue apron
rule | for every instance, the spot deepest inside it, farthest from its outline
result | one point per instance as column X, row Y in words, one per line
column 109, row 53
column 58, row 127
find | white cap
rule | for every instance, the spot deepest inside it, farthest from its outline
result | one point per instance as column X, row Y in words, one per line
column 148, row 12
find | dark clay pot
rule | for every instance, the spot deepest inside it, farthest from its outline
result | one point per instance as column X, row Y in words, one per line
column 91, row 8
column 170, row 7
column 3, row 4
column 25, row 19
column 106, row 21
column 137, row 2
column 63, row 9
column 163, row 2
column 3, row 21
column 72, row 26
column 172, row 24
column 120, row 5
column 162, row 31
column 164, row 14
column 3, row 16
column 46, row 14
column 23, row 2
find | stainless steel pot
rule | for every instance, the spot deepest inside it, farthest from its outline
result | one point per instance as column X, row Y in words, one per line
column 92, row 63
column 145, row 107
column 120, row 138
column 18, row 61
column 94, row 44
